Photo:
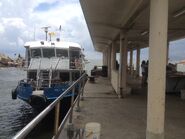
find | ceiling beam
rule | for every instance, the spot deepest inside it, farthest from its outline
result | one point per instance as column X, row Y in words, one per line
column 104, row 25
column 102, row 37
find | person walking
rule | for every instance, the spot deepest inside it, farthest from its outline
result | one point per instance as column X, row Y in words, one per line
column 143, row 71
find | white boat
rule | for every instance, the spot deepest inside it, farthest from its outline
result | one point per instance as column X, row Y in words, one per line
column 51, row 67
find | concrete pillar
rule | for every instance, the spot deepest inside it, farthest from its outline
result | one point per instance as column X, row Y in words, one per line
column 157, row 69
column 105, row 58
column 167, row 56
column 131, row 61
column 113, row 56
column 138, row 61
column 123, row 65
column 109, row 61
column 131, row 57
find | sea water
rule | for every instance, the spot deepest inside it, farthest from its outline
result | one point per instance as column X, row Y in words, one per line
column 15, row 114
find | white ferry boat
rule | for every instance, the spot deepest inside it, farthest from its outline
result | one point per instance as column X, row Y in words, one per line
column 51, row 68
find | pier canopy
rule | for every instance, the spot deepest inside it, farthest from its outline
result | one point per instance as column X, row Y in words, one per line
column 106, row 18
column 128, row 25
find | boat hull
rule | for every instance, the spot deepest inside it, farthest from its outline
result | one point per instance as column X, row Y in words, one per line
column 25, row 92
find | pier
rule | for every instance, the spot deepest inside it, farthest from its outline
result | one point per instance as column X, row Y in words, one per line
column 121, row 27
column 126, row 118
column 124, row 108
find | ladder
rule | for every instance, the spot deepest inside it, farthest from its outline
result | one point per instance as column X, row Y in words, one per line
column 46, row 77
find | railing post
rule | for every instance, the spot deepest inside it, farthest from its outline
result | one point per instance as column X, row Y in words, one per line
column 70, row 126
column 78, row 97
column 82, row 93
column 72, row 100
column 57, row 114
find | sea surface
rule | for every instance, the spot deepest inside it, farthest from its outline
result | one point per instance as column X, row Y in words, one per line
column 15, row 114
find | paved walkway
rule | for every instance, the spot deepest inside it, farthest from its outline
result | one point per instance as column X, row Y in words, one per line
column 126, row 118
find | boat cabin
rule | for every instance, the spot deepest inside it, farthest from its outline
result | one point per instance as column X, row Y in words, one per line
column 53, row 62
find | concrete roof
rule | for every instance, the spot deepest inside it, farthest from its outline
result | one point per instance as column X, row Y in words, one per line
column 106, row 18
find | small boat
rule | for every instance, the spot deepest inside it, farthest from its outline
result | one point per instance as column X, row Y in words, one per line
column 52, row 66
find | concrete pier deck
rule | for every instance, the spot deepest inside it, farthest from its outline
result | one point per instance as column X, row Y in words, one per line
column 119, row 118
column 126, row 118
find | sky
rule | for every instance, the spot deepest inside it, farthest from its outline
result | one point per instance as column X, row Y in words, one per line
column 22, row 20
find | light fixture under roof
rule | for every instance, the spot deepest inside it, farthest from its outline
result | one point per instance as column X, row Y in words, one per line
column 179, row 12
column 144, row 33
column 129, row 42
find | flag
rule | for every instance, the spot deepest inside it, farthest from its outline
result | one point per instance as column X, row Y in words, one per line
column 60, row 28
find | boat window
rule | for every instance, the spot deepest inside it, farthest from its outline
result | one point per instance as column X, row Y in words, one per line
column 62, row 53
column 74, row 53
column 48, row 52
column 35, row 53
column 64, row 76
column 75, row 75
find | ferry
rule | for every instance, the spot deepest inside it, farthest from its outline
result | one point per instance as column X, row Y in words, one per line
column 51, row 68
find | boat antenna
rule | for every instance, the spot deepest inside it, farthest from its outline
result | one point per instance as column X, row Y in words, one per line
column 60, row 30
column 46, row 31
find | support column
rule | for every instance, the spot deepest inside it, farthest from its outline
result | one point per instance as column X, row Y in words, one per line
column 109, row 61
column 105, row 57
column 131, row 61
column 157, row 69
column 167, row 57
column 123, row 65
column 113, row 56
column 138, row 61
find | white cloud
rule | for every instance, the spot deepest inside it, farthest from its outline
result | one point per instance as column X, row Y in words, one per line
column 14, row 21
column 19, row 18
column 1, row 28
column 20, row 41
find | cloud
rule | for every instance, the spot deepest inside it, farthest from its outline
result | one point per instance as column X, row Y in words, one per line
column 14, row 22
column 1, row 28
column 20, row 20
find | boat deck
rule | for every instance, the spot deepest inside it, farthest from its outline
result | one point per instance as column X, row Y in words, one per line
column 126, row 118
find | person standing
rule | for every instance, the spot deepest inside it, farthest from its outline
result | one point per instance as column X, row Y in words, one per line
column 146, row 73
column 143, row 71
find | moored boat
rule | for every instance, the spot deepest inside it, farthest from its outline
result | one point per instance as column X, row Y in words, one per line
column 52, row 66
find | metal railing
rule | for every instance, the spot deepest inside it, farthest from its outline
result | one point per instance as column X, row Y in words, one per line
column 56, row 104
column 38, row 75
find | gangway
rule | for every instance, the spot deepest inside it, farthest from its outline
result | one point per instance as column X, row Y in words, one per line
column 58, row 127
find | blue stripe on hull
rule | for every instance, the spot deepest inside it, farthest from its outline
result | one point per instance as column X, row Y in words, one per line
column 24, row 92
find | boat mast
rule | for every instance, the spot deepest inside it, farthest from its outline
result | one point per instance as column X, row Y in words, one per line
column 46, row 31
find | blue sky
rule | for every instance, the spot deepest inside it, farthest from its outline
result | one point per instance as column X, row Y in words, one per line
column 19, row 19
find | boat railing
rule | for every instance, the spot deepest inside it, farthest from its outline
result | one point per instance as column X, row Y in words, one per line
column 50, row 76
column 57, row 64
column 38, row 76
column 56, row 105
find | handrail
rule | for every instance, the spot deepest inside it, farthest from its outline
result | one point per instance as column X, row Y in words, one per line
column 50, row 75
column 38, row 75
column 57, row 64
column 27, row 129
